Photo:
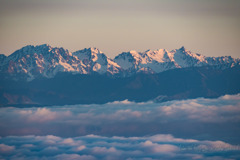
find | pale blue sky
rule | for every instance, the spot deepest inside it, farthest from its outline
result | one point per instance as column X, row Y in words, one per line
column 209, row 27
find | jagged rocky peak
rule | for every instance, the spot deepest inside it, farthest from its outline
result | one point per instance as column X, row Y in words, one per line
column 127, row 60
column 88, row 53
column 123, row 55
column 41, row 60
column 44, row 60
column 182, row 48
column 39, row 49
column 141, row 60
column 134, row 53
column 94, row 60
column 181, row 51
column 159, row 55
column 94, row 50
column 151, row 52
column 187, row 53
column 91, row 50
column 129, row 56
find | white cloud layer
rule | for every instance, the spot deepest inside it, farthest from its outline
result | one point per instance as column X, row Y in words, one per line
column 93, row 147
column 205, row 127
column 126, row 118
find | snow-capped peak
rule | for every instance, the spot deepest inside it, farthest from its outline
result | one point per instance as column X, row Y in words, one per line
column 96, row 61
column 44, row 60
column 88, row 54
column 134, row 53
column 162, row 60
column 95, row 50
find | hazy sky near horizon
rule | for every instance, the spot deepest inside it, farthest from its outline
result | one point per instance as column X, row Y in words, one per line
column 209, row 27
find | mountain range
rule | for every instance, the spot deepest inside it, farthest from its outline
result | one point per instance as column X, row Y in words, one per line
column 31, row 62
column 44, row 75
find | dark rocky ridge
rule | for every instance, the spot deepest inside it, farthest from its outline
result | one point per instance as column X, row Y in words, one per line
column 176, row 84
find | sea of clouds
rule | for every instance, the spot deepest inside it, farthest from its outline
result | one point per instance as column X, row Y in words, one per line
column 91, row 147
column 188, row 129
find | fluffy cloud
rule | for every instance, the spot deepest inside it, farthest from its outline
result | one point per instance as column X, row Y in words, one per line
column 201, row 125
column 196, row 118
column 169, row 138
column 42, row 114
column 98, row 147
column 6, row 149
column 159, row 148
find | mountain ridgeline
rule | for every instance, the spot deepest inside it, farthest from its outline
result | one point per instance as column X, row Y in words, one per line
column 43, row 75
column 32, row 62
